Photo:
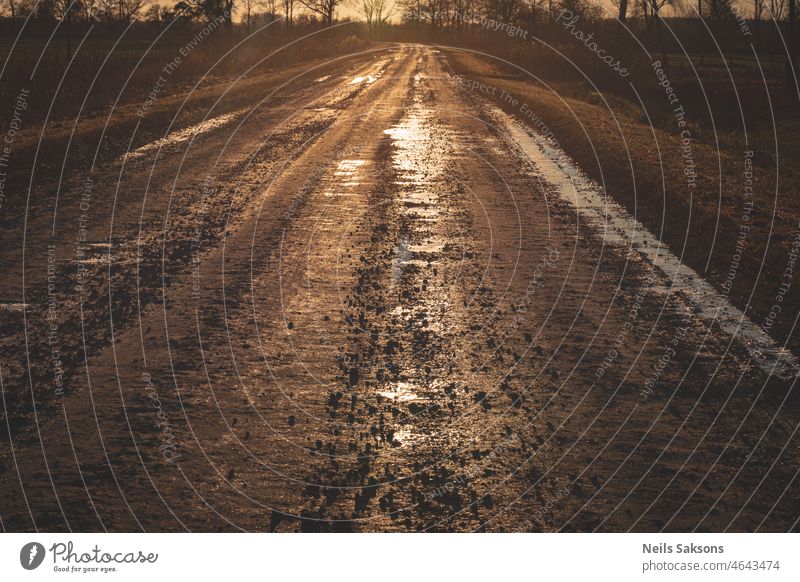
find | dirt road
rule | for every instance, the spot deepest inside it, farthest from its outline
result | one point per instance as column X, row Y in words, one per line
column 380, row 305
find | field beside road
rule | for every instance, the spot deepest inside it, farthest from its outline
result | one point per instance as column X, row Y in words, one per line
column 737, row 221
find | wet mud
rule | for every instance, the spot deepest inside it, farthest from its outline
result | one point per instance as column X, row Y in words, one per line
column 381, row 312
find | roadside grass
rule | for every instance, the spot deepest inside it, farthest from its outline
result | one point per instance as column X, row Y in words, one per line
column 79, row 135
column 107, row 66
column 641, row 166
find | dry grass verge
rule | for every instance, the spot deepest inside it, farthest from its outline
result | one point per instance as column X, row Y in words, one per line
column 642, row 166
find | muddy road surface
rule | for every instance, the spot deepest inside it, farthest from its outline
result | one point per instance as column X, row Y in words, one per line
column 380, row 305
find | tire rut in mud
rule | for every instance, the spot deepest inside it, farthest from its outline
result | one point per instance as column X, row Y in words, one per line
column 419, row 414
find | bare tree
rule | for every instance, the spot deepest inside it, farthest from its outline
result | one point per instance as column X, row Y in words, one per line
column 376, row 12
column 623, row 10
column 117, row 11
column 504, row 10
column 288, row 11
column 412, row 10
column 462, row 12
column 207, row 9
column 758, row 14
column 777, row 8
column 532, row 9
column 67, row 11
column 655, row 11
column 250, row 7
column 584, row 9
column 18, row 8
column 325, row 8
column 62, row 9
column 720, row 9
column 422, row 11
column 154, row 13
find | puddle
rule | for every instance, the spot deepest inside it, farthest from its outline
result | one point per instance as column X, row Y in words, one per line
column 347, row 169
column 402, row 252
column 96, row 253
column 322, row 79
column 419, row 204
column 402, row 392
column 404, row 437
column 185, row 134
column 411, row 130
column 408, row 253
column 406, row 393
column 411, row 158
column 346, row 174
column 620, row 229
column 420, row 254
column 423, row 213
column 369, row 79
column 421, row 159
column 427, row 248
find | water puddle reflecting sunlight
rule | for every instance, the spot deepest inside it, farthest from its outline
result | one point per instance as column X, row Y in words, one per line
column 368, row 79
column 186, row 134
column 402, row 392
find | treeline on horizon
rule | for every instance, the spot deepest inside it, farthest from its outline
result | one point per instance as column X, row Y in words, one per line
column 436, row 13
column 728, row 26
column 51, row 36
